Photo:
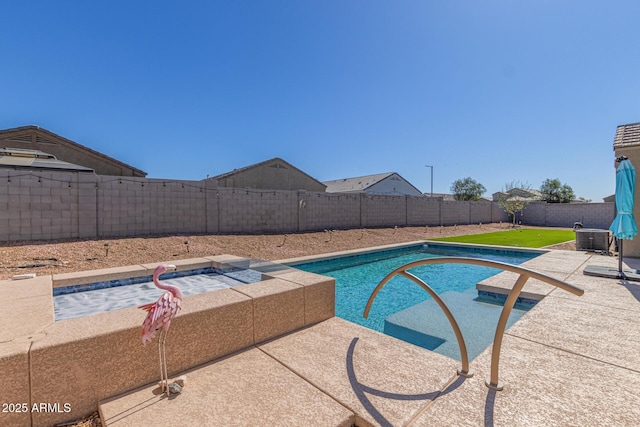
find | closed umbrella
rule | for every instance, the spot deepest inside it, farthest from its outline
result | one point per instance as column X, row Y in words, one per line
column 624, row 225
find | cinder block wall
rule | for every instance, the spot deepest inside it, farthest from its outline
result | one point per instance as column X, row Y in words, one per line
column 481, row 211
column 329, row 211
column 423, row 211
column 55, row 205
column 40, row 207
column 592, row 215
column 534, row 214
column 456, row 213
column 498, row 214
column 249, row 211
column 381, row 211
column 147, row 206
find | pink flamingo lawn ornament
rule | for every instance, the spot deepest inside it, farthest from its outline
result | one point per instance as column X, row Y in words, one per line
column 159, row 316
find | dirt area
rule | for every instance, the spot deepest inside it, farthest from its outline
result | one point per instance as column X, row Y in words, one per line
column 64, row 256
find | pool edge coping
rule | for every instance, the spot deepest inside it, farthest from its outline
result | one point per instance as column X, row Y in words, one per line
column 292, row 262
column 362, row 251
column 493, row 247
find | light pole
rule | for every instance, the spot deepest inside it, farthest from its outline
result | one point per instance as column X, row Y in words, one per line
column 431, row 179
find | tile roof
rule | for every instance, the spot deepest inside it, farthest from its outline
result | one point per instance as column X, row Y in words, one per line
column 362, row 183
column 627, row 135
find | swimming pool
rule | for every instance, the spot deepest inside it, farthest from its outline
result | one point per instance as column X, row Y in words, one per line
column 404, row 310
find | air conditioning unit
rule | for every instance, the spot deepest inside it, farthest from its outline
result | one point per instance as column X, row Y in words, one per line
column 592, row 239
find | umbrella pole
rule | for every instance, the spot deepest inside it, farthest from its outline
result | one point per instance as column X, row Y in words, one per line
column 620, row 273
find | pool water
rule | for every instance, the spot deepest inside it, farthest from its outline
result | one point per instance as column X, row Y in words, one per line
column 396, row 310
column 84, row 300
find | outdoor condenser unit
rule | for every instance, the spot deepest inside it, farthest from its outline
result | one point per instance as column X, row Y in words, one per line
column 592, row 239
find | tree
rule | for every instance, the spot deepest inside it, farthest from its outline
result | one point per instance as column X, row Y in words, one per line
column 553, row 191
column 513, row 204
column 467, row 189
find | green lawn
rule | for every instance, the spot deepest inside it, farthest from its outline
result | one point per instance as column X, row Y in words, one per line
column 521, row 237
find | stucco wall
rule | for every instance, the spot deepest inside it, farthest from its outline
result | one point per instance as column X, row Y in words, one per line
column 632, row 247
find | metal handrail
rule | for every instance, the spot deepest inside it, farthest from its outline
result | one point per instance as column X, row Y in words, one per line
column 524, row 274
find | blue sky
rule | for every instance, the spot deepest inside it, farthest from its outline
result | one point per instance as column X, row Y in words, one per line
column 493, row 90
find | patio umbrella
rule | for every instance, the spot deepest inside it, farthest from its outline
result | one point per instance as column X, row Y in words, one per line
column 624, row 225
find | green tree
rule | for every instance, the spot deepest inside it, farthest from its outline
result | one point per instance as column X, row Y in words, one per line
column 553, row 191
column 512, row 204
column 467, row 189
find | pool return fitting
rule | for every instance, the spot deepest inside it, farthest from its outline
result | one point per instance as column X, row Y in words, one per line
column 492, row 382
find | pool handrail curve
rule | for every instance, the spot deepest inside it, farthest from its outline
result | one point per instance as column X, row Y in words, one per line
column 524, row 274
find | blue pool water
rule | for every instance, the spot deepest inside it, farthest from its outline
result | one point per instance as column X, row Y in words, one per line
column 397, row 303
column 85, row 300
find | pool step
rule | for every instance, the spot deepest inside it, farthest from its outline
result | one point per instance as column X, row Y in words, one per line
column 426, row 325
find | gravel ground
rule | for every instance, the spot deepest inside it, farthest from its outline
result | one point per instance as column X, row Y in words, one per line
column 64, row 256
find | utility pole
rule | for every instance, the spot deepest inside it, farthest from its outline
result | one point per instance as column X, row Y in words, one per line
column 431, row 179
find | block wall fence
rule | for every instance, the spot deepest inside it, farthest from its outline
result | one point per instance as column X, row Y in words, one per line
column 60, row 205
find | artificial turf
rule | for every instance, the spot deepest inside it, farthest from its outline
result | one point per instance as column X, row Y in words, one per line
column 520, row 237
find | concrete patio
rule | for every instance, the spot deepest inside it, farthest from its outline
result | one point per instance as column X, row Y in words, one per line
column 570, row 361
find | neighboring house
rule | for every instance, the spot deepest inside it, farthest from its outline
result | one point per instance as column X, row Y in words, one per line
column 444, row 196
column 390, row 183
column 626, row 142
column 518, row 192
column 21, row 159
column 37, row 139
column 272, row 174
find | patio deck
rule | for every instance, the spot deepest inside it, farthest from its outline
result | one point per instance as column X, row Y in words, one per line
column 570, row 361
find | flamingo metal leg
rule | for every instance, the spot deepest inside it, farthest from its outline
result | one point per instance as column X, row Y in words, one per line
column 164, row 362
column 162, row 383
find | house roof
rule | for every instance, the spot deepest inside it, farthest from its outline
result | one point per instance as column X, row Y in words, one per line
column 18, row 158
column 627, row 135
column 361, row 183
column 358, row 183
column 445, row 196
column 534, row 193
column 46, row 136
column 260, row 164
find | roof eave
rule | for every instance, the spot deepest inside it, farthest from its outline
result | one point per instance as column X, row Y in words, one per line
column 74, row 144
